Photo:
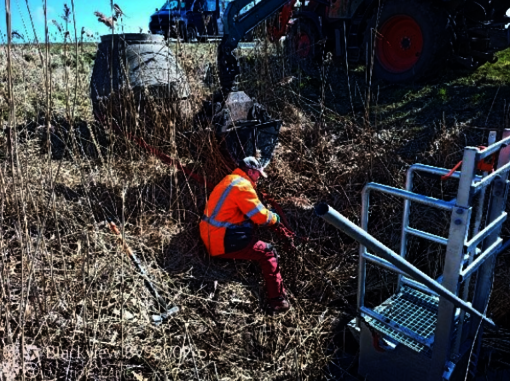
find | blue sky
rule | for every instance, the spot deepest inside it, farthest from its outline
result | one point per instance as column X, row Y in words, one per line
column 137, row 12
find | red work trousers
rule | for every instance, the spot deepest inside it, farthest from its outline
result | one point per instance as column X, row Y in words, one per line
column 264, row 254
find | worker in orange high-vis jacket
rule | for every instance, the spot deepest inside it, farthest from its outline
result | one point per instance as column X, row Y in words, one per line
column 227, row 227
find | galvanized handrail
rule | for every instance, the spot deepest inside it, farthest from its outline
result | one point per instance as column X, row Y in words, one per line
column 417, row 285
column 430, row 170
column 477, row 239
column 383, row 263
column 489, row 252
column 488, row 179
column 425, row 235
column 484, row 152
column 411, row 196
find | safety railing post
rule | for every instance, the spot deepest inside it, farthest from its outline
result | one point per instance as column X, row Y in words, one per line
column 459, row 228
column 365, row 205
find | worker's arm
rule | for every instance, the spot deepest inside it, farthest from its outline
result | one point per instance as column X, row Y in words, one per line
column 250, row 205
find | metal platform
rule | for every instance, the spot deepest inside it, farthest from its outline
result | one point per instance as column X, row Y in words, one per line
column 411, row 309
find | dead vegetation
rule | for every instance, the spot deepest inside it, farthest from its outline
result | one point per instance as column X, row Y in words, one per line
column 74, row 307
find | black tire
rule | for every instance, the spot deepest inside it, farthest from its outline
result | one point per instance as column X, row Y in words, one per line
column 412, row 41
column 191, row 34
column 301, row 46
column 248, row 37
column 182, row 33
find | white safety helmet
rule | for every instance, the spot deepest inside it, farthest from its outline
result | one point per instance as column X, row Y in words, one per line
column 252, row 163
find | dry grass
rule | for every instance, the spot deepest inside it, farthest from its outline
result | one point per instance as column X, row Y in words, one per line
column 74, row 306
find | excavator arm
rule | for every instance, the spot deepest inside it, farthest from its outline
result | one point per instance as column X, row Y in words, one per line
column 236, row 26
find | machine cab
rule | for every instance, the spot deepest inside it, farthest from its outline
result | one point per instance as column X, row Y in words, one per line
column 192, row 19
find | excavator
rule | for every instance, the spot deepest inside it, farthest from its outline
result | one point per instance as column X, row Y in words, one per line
column 400, row 40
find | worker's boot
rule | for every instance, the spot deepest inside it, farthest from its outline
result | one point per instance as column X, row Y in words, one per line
column 278, row 305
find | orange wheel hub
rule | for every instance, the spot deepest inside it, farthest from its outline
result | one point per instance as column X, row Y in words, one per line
column 399, row 44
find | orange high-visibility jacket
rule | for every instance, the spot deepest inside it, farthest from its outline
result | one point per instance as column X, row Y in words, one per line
column 233, row 203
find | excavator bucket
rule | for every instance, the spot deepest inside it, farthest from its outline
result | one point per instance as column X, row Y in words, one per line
column 244, row 128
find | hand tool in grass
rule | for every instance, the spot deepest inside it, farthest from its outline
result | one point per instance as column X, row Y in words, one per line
column 156, row 319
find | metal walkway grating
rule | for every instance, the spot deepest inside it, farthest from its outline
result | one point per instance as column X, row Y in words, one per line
column 412, row 309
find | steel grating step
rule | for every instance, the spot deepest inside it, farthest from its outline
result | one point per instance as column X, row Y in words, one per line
column 412, row 309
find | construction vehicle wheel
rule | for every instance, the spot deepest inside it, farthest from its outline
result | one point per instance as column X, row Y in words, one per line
column 182, row 33
column 191, row 34
column 301, row 49
column 408, row 40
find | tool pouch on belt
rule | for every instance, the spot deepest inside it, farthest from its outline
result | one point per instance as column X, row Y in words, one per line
column 237, row 238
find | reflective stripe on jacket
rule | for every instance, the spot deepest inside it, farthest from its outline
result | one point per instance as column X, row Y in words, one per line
column 233, row 203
